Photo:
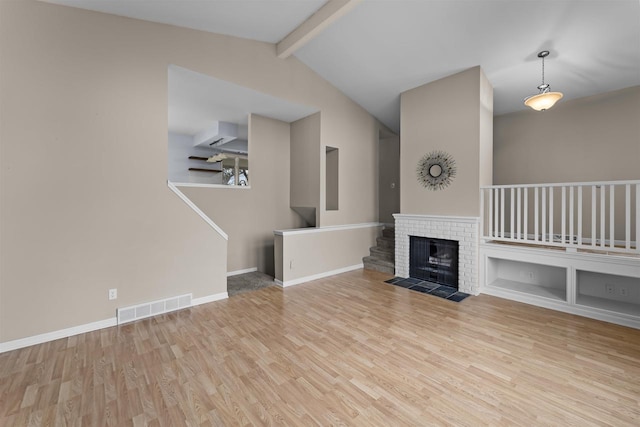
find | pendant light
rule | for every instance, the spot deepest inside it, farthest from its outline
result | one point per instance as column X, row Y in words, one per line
column 545, row 99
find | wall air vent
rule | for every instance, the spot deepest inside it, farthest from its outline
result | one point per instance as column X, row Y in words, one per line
column 148, row 309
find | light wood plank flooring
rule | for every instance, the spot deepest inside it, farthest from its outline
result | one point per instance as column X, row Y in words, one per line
column 346, row 350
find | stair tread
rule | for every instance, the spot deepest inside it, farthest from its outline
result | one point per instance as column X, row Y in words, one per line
column 381, row 249
column 380, row 261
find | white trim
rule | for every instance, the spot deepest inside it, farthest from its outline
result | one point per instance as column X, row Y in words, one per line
column 89, row 327
column 318, row 276
column 55, row 335
column 561, row 184
column 590, row 312
column 209, row 298
column 196, row 209
column 470, row 219
column 237, row 272
column 202, row 185
column 328, row 228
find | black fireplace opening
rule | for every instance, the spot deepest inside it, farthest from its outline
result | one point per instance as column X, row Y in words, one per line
column 434, row 260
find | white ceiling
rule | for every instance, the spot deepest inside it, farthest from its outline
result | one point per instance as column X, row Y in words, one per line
column 382, row 48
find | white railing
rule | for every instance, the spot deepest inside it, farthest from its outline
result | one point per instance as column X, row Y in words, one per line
column 580, row 215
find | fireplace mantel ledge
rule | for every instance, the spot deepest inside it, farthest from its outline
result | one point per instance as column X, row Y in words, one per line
column 470, row 219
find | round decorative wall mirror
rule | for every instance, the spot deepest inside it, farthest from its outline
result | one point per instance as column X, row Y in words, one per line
column 436, row 170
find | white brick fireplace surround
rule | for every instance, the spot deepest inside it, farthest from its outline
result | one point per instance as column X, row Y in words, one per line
column 465, row 230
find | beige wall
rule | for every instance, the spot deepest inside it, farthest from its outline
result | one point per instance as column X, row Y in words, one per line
column 317, row 251
column 83, row 132
column 453, row 115
column 389, row 178
column 305, row 164
column 596, row 138
column 84, row 201
column 249, row 216
column 356, row 136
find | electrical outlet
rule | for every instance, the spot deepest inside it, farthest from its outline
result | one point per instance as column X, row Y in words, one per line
column 623, row 291
column 113, row 294
column 609, row 289
column 290, row 264
column 531, row 275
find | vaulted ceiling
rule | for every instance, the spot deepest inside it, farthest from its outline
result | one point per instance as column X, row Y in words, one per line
column 378, row 49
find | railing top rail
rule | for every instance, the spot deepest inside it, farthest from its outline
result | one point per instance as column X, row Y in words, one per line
column 562, row 184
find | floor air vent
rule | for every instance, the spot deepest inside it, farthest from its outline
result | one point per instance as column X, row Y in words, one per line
column 148, row 309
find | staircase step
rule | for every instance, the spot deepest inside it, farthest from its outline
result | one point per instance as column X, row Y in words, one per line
column 386, row 242
column 389, row 232
column 387, row 254
column 377, row 264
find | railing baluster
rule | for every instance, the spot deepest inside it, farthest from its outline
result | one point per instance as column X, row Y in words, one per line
column 612, row 217
column 593, row 215
column 627, row 216
column 519, row 214
column 525, row 220
column 603, row 197
column 580, row 215
column 571, row 203
column 535, row 210
column 638, row 218
column 544, row 213
column 511, row 223
column 502, row 213
column 490, row 224
column 496, row 219
column 563, row 219
column 551, row 214
column 482, row 213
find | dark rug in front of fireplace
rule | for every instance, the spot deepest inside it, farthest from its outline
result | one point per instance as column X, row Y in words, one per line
column 446, row 292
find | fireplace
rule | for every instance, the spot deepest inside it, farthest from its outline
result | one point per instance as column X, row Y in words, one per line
column 434, row 260
column 463, row 230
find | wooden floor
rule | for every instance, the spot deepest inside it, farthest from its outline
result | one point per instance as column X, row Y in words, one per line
column 347, row 350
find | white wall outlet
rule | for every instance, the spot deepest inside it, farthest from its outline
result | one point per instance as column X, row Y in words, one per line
column 113, row 294
column 609, row 289
column 531, row 275
column 623, row 291
column 290, row 264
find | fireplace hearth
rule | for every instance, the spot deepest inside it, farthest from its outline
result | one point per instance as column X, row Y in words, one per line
column 434, row 260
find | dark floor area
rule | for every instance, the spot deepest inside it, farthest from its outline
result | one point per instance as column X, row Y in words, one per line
column 446, row 292
column 248, row 282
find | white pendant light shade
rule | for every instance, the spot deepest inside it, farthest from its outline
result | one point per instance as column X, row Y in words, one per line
column 545, row 99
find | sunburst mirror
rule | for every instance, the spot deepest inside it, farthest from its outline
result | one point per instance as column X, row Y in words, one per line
column 436, row 170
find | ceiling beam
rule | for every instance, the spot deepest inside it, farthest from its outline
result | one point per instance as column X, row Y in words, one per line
column 314, row 25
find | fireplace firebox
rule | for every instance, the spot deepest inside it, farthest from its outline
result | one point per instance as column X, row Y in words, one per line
column 434, row 260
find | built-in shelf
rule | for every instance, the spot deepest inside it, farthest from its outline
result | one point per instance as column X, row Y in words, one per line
column 201, row 158
column 204, row 170
column 527, row 277
column 530, row 289
column 605, row 287
column 609, row 304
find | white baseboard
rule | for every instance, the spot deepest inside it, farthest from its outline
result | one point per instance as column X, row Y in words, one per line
column 590, row 312
column 209, row 298
column 88, row 327
column 55, row 335
column 246, row 270
column 318, row 276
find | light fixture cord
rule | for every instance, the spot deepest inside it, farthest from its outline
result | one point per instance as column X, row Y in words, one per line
column 543, row 70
